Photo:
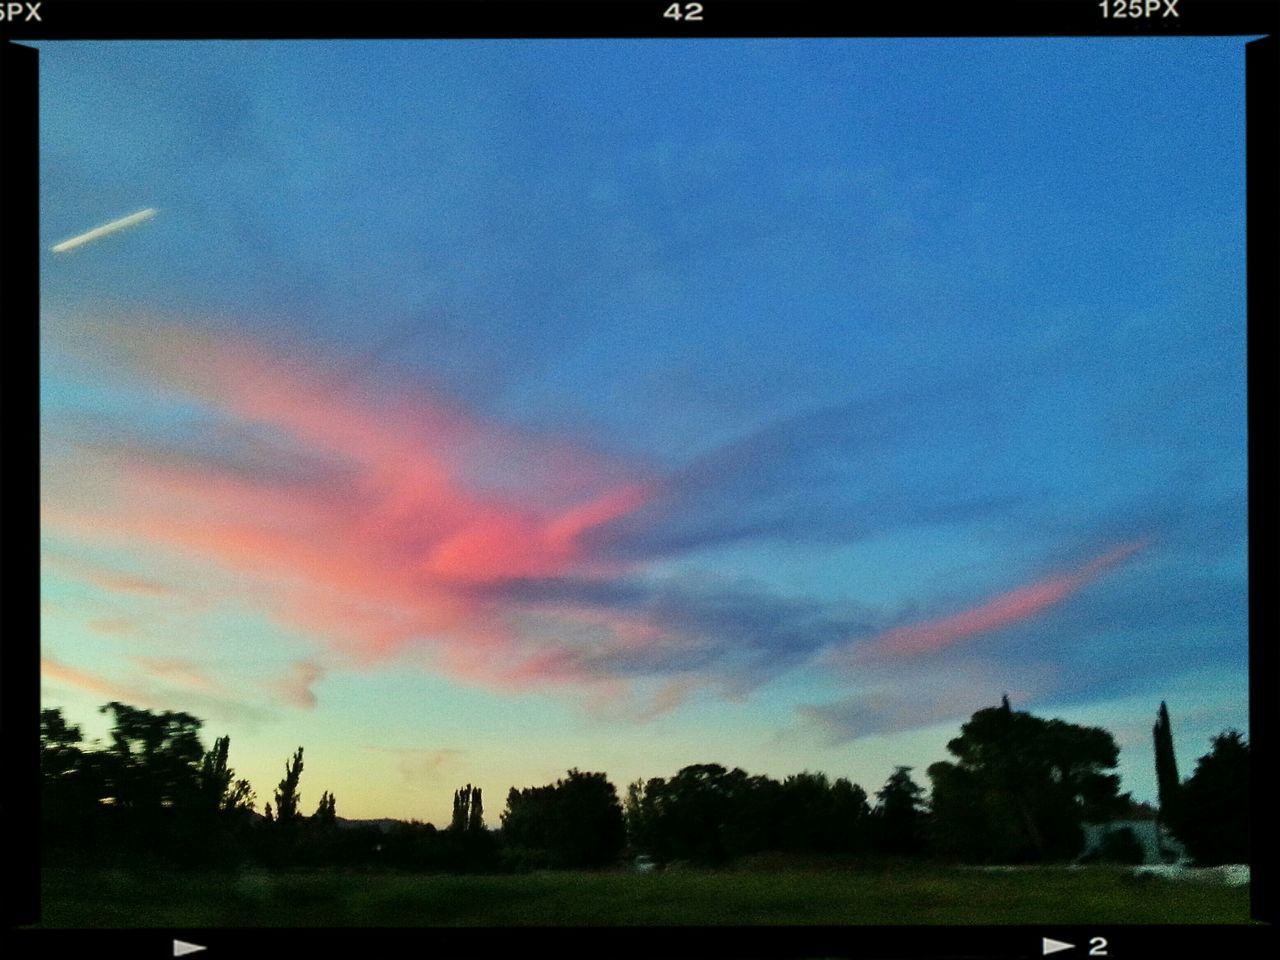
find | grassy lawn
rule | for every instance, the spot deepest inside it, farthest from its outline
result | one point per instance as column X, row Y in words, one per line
column 905, row 895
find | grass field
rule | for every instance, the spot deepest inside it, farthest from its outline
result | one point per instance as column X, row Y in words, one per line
column 896, row 895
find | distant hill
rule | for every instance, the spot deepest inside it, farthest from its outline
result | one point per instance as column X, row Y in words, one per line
column 384, row 824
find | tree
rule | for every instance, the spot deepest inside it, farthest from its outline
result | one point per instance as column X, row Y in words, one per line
column 1213, row 809
column 152, row 762
column 849, row 818
column 575, row 822
column 327, row 812
column 1166, row 766
column 1022, row 786
column 71, row 784
column 591, row 831
column 899, row 815
column 466, row 803
column 219, row 789
column 60, row 751
column 804, row 817
column 287, row 797
column 692, row 811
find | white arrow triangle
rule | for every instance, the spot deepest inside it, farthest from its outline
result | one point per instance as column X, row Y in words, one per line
column 1053, row 946
column 181, row 948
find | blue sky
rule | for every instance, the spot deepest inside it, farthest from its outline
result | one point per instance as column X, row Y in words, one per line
column 788, row 399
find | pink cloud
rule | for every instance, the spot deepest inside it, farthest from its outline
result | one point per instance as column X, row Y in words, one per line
column 404, row 514
column 1004, row 610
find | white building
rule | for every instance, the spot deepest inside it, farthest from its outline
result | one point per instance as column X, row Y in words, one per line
column 1157, row 845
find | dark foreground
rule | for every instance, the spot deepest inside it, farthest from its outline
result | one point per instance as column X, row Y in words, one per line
column 896, row 895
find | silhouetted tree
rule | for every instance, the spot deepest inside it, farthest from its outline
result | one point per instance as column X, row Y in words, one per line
column 804, row 814
column 72, row 784
column 60, row 751
column 1167, row 780
column 848, row 818
column 326, row 812
column 691, row 815
column 755, row 816
column 287, row 797
column 575, row 822
column 1022, row 787
column 899, row 815
column 219, row 789
column 152, row 762
column 1213, row 809
column 475, row 817
column 463, row 801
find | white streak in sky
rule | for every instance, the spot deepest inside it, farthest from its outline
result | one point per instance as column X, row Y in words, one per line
column 104, row 230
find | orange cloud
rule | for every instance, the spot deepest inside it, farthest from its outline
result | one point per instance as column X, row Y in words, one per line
column 196, row 692
column 999, row 612
column 179, row 671
column 113, row 625
column 107, row 578
column 67, row 676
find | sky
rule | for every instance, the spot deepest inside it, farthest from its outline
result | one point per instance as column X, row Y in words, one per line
column 468, row 411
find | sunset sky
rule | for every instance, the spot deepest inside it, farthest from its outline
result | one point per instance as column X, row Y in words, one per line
column 470, row 411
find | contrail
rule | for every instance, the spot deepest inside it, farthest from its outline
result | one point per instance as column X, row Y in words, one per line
column 105, row 229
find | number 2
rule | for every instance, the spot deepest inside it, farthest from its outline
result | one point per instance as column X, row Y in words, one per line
column 1099, row 945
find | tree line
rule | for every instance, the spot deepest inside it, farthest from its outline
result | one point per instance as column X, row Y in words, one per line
column 1017, row 789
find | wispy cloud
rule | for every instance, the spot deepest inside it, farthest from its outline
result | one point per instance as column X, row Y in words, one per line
column 996, row 613
column 295, row 686
column 179, row 671
column 380, row 518
column 116, row 625
column 105, row 577
column 421, row 767
column 162, row 685
column 395, row 510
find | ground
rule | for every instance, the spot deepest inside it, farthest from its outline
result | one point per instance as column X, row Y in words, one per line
column 886, row 894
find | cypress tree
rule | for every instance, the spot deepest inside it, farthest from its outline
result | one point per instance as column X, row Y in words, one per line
column 461, row 809
column 287, row 798
column 1166, row 763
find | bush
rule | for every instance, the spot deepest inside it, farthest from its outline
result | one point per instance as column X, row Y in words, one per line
column 1121, row 846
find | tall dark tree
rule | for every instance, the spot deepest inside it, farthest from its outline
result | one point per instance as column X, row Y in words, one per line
column 899, row 815
column 475, row 817
column 1167, row 780
column 1021, row 787
column 286, row 796
column 1213, row 807
column 849, row 818
column 463, row 800
column 219, row 789
column 327, row 811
